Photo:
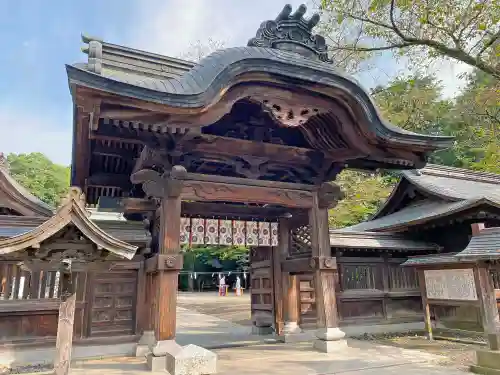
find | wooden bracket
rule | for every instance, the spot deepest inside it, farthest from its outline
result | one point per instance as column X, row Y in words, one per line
column 164, row 262
column 323, row 263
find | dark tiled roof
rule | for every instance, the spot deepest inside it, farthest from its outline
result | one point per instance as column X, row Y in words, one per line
column 127, row 231
column 437, row 259
column 137, row 63
column 455, row 183
column 452, row 190
column 372, row 240
column 206, row 80
column 485, row 245
column 22, row 195
column 419, row 213
column 6, row 232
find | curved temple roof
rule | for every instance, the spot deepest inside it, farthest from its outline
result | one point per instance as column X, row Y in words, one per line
column 483, row 246
column 16, row 198
column 210, row 82
column 72, row 212
column 448, row 190
column 287, row 72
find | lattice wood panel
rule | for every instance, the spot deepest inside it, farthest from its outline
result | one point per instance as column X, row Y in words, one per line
column 301, row 240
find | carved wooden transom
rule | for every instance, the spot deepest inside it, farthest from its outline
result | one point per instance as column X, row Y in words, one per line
column 69, row 243
column 289, row 115
column 253, row 121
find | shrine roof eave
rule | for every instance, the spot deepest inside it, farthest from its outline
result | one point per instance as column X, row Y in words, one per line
column 444, row 183
column 19, row 199
column 421, row 214
column 483, row 246
column 210, row 82
column 434, row 260
column 377, row 240
column 72, row 212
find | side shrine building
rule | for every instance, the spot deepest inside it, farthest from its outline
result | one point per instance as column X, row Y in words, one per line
column 256, row 133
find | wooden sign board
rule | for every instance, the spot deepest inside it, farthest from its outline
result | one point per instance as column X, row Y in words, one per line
column 451, row 284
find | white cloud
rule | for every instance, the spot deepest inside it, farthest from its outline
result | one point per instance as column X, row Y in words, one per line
column 24, row 132
column 451, row 73
column 170, row 27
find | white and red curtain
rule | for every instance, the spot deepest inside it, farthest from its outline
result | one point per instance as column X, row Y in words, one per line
column 197, row 231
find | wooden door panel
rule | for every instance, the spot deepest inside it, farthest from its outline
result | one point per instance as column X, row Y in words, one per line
column 113, row 303
column 307, row 301
column 261, row 274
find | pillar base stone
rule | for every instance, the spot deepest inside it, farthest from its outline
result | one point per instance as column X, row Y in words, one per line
column 293, row 333
column 291, row 328
column 329, row 346
column 329, row 340
column 261, row 331
column 488, row 362
column 146, row 341
column 187, row 360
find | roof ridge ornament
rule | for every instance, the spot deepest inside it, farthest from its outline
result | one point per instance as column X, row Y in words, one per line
column 293, row 33
column 74, row 194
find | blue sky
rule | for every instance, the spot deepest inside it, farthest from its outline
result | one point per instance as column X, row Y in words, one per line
column 39, row 37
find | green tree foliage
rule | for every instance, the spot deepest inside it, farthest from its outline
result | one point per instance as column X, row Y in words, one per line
column 476, row 123
column 364, row 194
column 416, row 104
column 229, row 255
column 467, row 31
column 44, row 179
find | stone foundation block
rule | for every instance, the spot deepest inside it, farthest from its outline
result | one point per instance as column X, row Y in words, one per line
column 329, row 346
column 192, row 360
column 488, row 362
column 156, row 364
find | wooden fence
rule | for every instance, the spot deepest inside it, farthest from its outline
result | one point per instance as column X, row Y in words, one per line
column 370, row 290
column 29, row 303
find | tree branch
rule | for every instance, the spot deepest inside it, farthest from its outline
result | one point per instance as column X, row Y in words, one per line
column 374, row 49
column 489, row 43
column 393, row 22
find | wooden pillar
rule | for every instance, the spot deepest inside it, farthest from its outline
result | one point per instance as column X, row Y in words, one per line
column 141, row 302
column 325, row 269
column 164, row 266
column 292, row 302
column 488, row 305
column 64, row 341
column 425, row 304
column 279, row 254
column 167, row 279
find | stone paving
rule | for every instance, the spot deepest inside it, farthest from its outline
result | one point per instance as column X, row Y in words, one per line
column 299, row 359
column 258, row 357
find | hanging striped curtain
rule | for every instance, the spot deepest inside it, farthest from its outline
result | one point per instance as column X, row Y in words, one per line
column 252, row 233
column 185, row 230
column 239, row 232
column 198, row 231
column 264, row 234
column 211, row 231
column 274, row 234
column 226, row 232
